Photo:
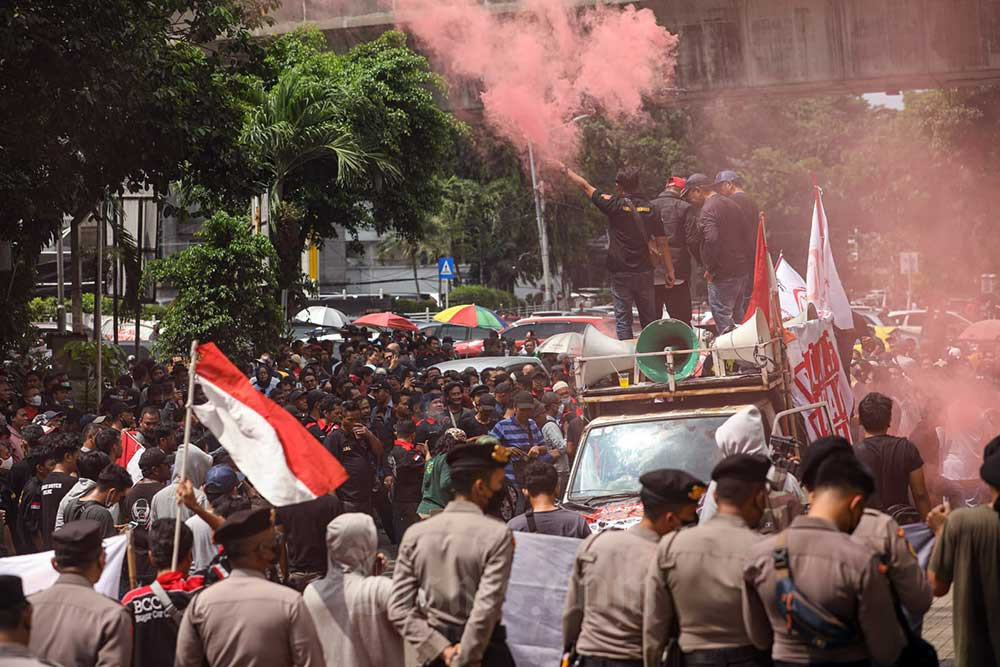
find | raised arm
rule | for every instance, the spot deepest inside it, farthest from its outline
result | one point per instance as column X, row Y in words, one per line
column 576, row 179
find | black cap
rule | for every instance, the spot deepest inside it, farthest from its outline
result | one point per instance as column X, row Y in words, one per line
column 523, row 399
column 674, row 487
column 816, row 453
column 478, row 456
column 243, row 524
column 744, row 467
column 151, row 457
column 296, row 395
column 990, row 471
column 696, row 181
column 479, row 389
column 11, row 592
column 78, row 541
column 550, row 398
column 313, row 396
column 489, row 400
column 502, row 388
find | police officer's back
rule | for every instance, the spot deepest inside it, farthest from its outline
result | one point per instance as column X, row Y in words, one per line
column 603, row 614
column 813, row 592
column 694, row 583
column 74, row 624
column 246, row 620
column 451, row 573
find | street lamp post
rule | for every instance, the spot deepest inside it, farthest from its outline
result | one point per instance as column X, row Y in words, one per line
column 543, row 234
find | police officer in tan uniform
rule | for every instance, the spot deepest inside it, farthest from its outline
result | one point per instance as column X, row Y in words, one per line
column 602, row 620
column 814, row 596
column 451, row 573
column 74, row 624
column 694, row 583
column 880, row 532
column 246, row 620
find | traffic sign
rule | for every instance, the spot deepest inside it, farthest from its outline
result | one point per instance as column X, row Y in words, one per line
column 909, row 263
column 446, row 268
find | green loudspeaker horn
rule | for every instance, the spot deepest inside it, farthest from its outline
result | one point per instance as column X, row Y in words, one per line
column 660, row 336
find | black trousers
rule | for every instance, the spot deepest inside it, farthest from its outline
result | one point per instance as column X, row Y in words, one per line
column 595, row 661
column 497, row 653
column 677, row 299
column 404, row 515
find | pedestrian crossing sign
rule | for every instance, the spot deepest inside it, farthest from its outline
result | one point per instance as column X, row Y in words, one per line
column 446, row 268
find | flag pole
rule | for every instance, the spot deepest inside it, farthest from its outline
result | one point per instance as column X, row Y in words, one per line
column 187, row 443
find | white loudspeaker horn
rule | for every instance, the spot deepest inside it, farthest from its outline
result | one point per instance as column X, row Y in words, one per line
column 596, row 344
column 740, row 343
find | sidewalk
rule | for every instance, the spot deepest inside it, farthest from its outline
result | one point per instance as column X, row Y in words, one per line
column 938, row 630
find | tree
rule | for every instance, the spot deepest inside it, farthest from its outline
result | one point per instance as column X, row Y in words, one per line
column 226, row 287
column 354, row 140
column 98, row 97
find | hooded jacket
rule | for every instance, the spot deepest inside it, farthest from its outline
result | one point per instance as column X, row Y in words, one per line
column 349, row 606
column 743, row 433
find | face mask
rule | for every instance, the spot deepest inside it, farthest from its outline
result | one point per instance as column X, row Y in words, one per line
column 35, row 401
column 566, row 401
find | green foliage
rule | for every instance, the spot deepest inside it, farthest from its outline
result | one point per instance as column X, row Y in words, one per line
column 226, row 292
column 97, row 95
column 414, row 306
column 488, row 297
column 82, row 358
column 43, row 308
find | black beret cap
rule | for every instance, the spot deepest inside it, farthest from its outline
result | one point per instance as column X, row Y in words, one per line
column 744, row 467
column 819, row 451
column 990, row 471
column 78, row 541
column 478, row 456
column 243, row 524
column 667, row 485
column 11, row 592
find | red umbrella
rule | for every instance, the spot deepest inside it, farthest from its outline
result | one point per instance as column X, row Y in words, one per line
column 385, row 321
column 984, row 331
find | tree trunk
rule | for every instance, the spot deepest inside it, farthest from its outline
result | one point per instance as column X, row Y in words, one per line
column 76, row 273
column 413, row 263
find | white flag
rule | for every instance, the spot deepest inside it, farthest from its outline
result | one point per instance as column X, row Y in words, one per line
column 823, row 287
column 37, row 573
column 791, row 289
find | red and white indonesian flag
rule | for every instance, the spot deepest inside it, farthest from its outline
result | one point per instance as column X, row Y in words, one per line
column 791, row 289
column 278, row 455
column 823, row 287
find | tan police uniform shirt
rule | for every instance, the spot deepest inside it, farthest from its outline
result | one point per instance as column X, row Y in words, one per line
column 76, row 625
column 694, row 587
column 882, row 534
column 833, row 572
column 603, row 613
column 247, row 621
column 451, row 572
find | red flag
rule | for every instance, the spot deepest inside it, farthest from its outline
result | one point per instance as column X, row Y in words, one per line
column 283, row 461
column 129, row 447
column 762, row 296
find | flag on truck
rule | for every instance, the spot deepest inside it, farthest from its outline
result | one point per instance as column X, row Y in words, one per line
column 283, row 461
column 791, row 289
column 763, row 296
column 823, row 287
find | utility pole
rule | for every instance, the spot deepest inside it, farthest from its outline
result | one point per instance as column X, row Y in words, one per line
column 543, row 236
column 60, row 282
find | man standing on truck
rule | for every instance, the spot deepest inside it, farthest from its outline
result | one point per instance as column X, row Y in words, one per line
column 727, row 252
column 680, row 222
column 602, row 620
column 637, row 241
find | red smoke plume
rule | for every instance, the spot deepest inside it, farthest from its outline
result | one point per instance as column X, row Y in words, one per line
column 548, row 63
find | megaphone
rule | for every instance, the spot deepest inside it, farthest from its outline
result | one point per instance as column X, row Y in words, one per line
column 666, row 334
column 741, row 343
column 597, row 344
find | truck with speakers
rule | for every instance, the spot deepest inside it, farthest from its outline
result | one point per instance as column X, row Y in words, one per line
column 657, row 401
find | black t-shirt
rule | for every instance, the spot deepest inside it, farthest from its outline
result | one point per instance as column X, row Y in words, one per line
column 891, row 460
column 560, row 521
column 359, row 462
column 29, row 516
column 305, row 532
column 55, row 486
column 473, row 428
column 407, row 465
column 628, row 249
column 138, row 502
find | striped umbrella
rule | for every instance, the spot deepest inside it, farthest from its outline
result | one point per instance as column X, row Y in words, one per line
column 471, row 315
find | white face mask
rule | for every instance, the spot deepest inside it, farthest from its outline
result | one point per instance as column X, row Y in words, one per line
column 566, row 401
column 35, row 400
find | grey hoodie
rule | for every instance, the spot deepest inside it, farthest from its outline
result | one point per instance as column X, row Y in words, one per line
column 349, row 606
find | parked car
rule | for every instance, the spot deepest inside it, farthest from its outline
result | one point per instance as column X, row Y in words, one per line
column 912, row 321
column 480, row 363
column 543, row 327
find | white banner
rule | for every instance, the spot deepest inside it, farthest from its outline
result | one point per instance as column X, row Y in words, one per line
column 791, row 289
column 37, row 573
column 817, row 375
column 823, row 284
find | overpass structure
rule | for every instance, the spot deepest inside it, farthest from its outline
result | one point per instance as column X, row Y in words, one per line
column 749, row 47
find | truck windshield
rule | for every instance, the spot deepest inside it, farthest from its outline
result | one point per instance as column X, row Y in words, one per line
column 613, row 457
